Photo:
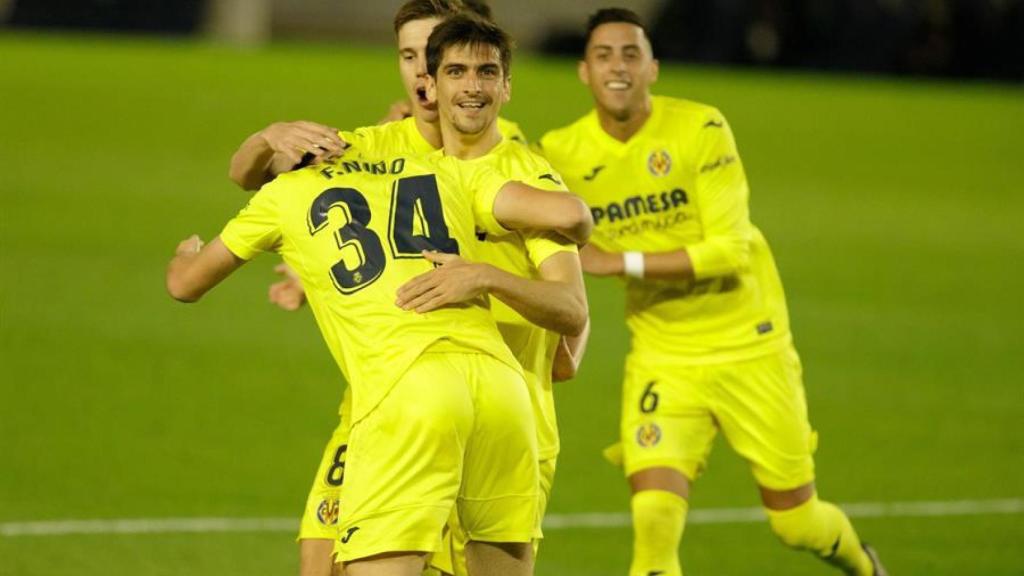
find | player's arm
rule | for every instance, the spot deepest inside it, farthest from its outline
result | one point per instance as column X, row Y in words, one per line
column 519, row 206
column 279, row 148
column 195, row 268
column 671, row 265
column 557, row 301
column 569, row 355
column 723, row 197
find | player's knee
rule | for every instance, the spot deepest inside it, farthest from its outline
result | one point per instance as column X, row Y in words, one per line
column 657, row 513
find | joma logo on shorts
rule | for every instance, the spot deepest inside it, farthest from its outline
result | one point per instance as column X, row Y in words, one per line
column 348, row 534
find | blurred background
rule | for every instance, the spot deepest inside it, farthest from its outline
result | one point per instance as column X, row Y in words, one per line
column 883, row 140
column 958, row 38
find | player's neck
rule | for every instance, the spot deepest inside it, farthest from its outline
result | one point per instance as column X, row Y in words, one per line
column 431, row 131
column 623, row 126
column 469, row 146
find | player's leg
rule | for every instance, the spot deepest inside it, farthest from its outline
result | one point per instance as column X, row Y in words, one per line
column 666, row 433
column 499, row 559
column 394, row 564
column 498, row 501
column 762, row 410
column 316, row 557
column 658, row 505
column 803, row 522
column 319, row 527
column 403, row 470
column 451, row 558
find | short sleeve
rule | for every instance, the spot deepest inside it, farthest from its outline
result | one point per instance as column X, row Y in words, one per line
column 257, row 227
column 484, row 183
column 542, row 245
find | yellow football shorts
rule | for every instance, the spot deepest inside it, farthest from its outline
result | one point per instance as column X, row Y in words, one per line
column 320, row 518
column 671, row 413
column 457, row 431
column 450, row 557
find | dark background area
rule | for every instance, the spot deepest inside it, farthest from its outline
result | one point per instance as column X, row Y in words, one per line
column 953, row 38
column 156, row 16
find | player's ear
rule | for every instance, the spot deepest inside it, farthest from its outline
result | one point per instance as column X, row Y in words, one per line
column 431, row 89
column 655, row 67
column 583, row 72
column 508, row 89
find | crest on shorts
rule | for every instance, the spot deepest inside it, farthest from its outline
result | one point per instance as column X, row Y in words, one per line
column 648, row 435
column 659, row 163
column 327, row 512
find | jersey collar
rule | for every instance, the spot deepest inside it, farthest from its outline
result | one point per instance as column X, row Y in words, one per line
column 614, row 146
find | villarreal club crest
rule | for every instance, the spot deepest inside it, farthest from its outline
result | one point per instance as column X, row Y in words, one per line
column 327, row 512
column 648, row 435
column 659, row 163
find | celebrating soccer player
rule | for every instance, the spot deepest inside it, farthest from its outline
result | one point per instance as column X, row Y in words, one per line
column 711, row 344
column 534, row 279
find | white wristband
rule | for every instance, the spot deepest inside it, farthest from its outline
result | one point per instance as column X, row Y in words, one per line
column 633, row 264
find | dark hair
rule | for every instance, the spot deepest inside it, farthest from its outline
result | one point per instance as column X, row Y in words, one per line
column 423, row 9
column 610, row 15
column 467, row 30
column 479, row 7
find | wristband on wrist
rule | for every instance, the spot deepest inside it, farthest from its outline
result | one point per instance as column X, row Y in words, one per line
column 633, row 264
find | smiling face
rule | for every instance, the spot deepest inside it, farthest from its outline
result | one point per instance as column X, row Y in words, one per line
column 470, row 88
column 619, row 67
column 412, row 64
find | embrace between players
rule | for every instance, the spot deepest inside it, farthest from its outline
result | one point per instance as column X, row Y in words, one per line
column 439, row 256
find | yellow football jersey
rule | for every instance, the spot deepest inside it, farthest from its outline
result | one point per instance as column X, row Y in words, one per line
column 403, row 138
column 679, row 183
column 522, row 254
column 353, row 230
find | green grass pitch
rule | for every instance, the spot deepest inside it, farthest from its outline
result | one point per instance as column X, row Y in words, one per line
column 890, row 208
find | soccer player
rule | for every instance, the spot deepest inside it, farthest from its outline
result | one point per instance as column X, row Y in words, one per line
column 523, row 274
column 534, row 280
column 711, row 344
column 441, row 413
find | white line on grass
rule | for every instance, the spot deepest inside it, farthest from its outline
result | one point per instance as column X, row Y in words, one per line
column 551, row 522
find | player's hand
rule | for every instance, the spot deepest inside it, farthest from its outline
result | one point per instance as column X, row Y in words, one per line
column 597, row 262
column 189, row 246
column 292, row 140
column 400, row 110
column 287, row 294
column 454, row 280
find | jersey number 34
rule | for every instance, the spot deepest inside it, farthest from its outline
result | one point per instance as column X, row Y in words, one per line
column 413, row 200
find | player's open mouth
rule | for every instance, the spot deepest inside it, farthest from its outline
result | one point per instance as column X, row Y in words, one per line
column 421, row 99
column 473, row 105
column 617, row 85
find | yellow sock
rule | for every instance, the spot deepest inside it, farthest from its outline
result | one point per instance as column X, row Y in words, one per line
column 824, row 529
column 658, row 520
